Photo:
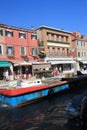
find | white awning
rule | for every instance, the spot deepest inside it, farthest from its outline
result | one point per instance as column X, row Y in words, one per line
column 84, row 62
column 22, row 63
column 62, row 62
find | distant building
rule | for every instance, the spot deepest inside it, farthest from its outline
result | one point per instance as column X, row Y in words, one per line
column 79, row 47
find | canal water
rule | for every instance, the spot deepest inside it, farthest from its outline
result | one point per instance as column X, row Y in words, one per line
column 47, row 114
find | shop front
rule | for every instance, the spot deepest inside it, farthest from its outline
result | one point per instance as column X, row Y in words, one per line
column 4, row 65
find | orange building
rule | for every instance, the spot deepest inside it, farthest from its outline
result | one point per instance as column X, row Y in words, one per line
column 56, row 44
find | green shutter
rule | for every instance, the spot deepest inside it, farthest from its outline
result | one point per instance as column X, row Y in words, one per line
column 1, row 32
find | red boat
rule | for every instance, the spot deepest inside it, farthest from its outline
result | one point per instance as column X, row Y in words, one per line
column 30, row 90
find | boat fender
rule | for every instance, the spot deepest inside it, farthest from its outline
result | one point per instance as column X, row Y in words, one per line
column 50, row 92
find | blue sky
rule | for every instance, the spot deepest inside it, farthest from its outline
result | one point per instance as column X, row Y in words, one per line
column 70, row 15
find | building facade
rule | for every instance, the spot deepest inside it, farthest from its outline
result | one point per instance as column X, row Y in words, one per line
column 56, row 44
column 17, row 46
column 79, row 49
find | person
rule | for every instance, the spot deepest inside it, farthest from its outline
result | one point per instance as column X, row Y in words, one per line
column 19, row 80
column 7, row 75
column 60, row 69
column 18, row 71
column 55, row 72
column 26, row 72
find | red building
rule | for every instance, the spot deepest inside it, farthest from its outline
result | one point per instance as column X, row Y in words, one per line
column 17, row 45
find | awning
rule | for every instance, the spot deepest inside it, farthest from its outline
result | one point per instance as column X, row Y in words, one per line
column 41, row 66
column 84, row 62
column 5, row 64
column 22, row 63
column 62, row 62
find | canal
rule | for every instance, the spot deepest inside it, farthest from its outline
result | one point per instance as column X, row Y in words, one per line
column 47, row 114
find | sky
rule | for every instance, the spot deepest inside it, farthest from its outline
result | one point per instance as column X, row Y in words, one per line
column 70, row 15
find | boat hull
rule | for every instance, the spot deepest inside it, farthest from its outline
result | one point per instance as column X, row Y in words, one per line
column 22, row 96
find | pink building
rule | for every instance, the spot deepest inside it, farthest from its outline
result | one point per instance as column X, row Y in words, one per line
column 17, row 45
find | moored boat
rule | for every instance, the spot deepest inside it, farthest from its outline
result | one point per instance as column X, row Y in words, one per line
column 30, row 90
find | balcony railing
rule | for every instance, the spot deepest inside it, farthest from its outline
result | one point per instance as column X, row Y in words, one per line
column 56, row 55
column 58, row 42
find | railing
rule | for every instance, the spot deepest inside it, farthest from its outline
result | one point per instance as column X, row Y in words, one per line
column 60, row 56
column 58, row 42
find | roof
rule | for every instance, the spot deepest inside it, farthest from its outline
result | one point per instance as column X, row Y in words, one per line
column 14, row 27
column 51, row 28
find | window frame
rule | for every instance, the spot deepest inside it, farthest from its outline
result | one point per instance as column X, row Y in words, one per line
column 1, row 49
column 8, row 33
column 33, row 36
column 12, row 50
column 34, row 53
column 22, row 35
column 1, row 32
column 24, row 49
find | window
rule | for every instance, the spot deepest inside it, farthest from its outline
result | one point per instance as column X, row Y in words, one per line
column 22, row 35
column 52, row 36
column 47, row 36
column 77, row 43
column 9, row 33
column 58, row 51
column 66, row 39
column 10, row 50
column 48, row 51
column 84, row 54
column 78, row 54
column 57, row 37
column 53, row 51
column 23, row 51
column 33, row 36
column 1, row 32
column 63, row 52
column 0, row 49
column 34, row 51
column 62, row 38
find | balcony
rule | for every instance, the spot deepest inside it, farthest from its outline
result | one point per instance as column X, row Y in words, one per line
column 52, row 41
column 56, row 55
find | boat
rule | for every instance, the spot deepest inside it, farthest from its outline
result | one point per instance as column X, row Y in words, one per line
column 29, row 91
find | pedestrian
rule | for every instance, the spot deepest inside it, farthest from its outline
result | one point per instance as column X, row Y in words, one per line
column 60, row 69
column 26, row 72
column 19, row 80
column 7, row 75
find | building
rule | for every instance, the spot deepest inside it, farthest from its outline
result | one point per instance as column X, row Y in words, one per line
column 56, row 47
column 18, row 46
column 79, row 50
